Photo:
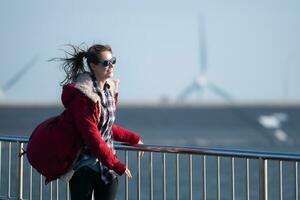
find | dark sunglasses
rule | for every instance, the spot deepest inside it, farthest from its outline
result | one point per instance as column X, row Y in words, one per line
column 112, row 61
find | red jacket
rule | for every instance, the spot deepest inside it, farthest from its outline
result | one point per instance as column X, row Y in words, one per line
column 56, row 142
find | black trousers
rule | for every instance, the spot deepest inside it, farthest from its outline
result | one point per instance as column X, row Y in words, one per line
column 85, row 181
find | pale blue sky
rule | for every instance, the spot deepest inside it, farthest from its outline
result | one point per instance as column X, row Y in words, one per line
column 253, row 46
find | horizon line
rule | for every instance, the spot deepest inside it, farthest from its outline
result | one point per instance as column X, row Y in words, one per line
column 275, row 103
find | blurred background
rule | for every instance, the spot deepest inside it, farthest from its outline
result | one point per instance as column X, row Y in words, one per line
column 204, row 73
column 221, row 74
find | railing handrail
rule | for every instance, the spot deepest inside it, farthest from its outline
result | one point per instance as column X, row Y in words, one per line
column 14, row 138
column 211, row 151
column 187, row 150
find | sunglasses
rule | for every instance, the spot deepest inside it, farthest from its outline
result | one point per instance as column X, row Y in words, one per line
column 112, row 61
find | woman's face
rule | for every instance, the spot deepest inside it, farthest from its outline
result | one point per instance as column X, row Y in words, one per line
column 105, row 69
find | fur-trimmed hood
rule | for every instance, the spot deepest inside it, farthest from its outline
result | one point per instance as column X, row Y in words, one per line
column 84, row 84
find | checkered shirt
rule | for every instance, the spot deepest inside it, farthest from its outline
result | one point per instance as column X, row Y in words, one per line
column 107, row 118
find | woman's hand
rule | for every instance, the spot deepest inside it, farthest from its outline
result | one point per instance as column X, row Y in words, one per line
column 128, row 173
column 141, row 153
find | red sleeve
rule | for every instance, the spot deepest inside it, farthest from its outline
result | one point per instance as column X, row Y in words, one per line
column 125, row 135
column 86, row 122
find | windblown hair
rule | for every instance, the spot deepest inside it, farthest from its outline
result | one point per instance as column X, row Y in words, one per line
column 73, row 63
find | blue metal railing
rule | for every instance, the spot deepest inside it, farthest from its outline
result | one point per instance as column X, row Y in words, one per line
column 168, row 173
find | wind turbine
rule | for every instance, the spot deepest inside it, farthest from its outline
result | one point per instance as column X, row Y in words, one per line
column 17, row 76
column 201, row 82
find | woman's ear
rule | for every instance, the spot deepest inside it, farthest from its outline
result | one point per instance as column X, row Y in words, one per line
column 93, row 66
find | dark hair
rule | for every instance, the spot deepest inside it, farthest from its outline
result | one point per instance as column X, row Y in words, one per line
column 73, row 63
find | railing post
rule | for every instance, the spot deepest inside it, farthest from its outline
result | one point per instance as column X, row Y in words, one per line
column 191, row 176
column 9, row 171
column 30, row 183
column 218, row 179
column 232, row 179
column 164, row 177
column 20, row 172
column 41, row 187
column 151, row 175
column 177, row 176
column 263, row 179
column 296, row 181
column 247, row 179
column 280, row 181
column 57, row 190
column 67, row 191
column 0, row 164
column 204, row 177
column 51, row 189
column 138, row 177
column 126, row 177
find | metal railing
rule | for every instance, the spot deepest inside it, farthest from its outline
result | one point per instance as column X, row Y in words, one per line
column 167, row 172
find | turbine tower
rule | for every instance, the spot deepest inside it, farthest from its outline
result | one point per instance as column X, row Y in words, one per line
column 201, row 83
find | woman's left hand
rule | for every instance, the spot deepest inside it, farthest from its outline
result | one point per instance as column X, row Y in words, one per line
column 141, row 153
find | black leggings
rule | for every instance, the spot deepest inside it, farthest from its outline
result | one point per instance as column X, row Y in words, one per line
column 86, row 180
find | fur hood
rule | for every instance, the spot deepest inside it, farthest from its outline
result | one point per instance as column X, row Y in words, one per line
column 84, row 83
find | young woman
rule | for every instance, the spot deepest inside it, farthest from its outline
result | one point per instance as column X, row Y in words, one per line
column 77, row 145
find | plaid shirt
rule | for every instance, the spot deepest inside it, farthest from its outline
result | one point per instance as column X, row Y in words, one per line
column 107, row 118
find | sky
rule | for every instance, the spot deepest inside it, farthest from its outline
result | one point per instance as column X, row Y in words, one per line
column 252, row 47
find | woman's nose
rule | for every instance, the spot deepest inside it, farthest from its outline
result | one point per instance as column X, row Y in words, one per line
column 111, row 65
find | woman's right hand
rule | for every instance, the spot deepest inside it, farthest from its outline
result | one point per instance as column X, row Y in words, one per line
column 128, row 173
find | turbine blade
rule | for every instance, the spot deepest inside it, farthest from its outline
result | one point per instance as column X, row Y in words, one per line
column 202, row 44
column 187, row 91
column 2, row 96
column 15, row 78
column 220, row 92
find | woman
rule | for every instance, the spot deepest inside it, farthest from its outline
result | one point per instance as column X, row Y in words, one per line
column 78, row 145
